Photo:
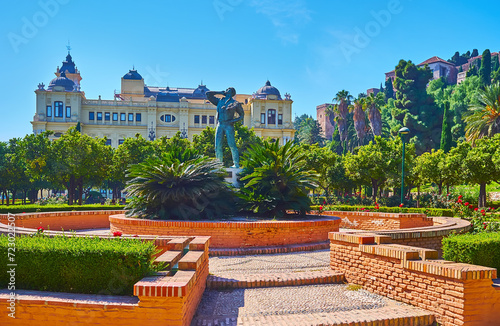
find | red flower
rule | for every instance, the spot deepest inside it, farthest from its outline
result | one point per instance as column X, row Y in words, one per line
column 324, row 202
column 466, row 203
column 136, row 236
column 321, row 208
column 460, row 197
column 40, row 229
column 484, row 214
column 117, row 234
column 482, row 211
column 470, row 206
column 475, row 209
column 401, row 205
column 459, row 201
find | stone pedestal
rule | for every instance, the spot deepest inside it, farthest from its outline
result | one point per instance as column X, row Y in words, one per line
column 232, row 176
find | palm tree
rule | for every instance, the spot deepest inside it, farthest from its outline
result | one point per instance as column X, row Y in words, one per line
column 483, row 118
column 341, row 108
column 276, row 179
column 373, row 104
column 179, row 185
column 359, row 118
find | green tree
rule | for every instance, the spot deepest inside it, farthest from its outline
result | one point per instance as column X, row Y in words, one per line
column 342, row 101
column 134, row 150
column 359, row 117
column 374, row 104
column 36, row 149
column 483, row 118
column 480, row 165
column 414, row 108
column 446, row 140
column 388, row 91
column 475, row 53
column 377, row 162
column 78, row 160
column 485, row 70
column 321, row 160
column 430, row 166
column 310, row 132
column 276, row 179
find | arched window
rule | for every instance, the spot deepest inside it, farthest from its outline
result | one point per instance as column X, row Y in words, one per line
column 58, row 109
column 271, row 117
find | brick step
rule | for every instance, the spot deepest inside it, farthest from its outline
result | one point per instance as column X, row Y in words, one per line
column 268, row 250
column 245, row 281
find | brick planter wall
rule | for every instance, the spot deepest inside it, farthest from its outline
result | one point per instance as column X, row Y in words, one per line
column 234, row 234
column 72, row 220
column 459, row 294
column 165, row 299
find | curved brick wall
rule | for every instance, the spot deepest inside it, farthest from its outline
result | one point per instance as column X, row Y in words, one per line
column 380, row 220
column 426, row 237
column 71, row 220
column 234, row 234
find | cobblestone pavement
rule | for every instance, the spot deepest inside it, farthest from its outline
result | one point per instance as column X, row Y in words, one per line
column 322, row 304
column 299, row 305
column 269, row 264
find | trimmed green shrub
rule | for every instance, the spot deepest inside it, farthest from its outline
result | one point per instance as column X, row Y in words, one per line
column 478, row 249
column 78, row 264
column 56, row 208
column 428, row 211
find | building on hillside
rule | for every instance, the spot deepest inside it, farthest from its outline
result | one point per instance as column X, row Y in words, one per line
column 439, row 67
column 151, row 111
column 327, row 124
column 373, row 91
column 474, row 61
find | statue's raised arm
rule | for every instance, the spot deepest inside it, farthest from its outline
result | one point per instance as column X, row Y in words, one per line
column 211, row 97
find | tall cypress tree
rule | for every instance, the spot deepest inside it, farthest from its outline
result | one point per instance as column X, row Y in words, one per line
column 414, row 108
column 485, row 70
column 446, row 138
column 388, row 91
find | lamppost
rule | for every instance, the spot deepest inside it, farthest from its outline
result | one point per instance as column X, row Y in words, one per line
column 402, row 132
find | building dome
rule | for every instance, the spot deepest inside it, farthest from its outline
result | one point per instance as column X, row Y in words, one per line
column 62, row 81
column 267, row 90
column 167, row 96
column 200, row 92
column 132, row 74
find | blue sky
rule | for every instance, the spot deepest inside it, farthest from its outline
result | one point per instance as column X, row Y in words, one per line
column 310, row 49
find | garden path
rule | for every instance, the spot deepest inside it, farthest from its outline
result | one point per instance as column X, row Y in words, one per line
column 252, row 298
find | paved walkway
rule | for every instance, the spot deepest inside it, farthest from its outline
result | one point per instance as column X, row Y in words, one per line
column 320, row 304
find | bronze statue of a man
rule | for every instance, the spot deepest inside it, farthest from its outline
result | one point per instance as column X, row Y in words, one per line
column 226, row 108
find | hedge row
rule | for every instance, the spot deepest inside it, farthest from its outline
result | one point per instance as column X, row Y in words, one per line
column 77, row 264
column 428, row 211
column 15, row 209
column 477, row 249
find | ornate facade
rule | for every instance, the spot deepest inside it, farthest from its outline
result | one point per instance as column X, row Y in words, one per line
column 150, row 110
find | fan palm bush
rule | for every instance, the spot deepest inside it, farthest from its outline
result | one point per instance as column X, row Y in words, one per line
column 276, row 179
column 483, row 119
column 179, row 185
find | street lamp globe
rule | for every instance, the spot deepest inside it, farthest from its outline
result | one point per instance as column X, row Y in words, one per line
column 404, row 131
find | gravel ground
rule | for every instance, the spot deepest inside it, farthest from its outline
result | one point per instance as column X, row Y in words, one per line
column 268, row 264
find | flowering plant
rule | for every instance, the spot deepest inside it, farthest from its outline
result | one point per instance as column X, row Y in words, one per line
column 476, row 216
column 117, row 234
